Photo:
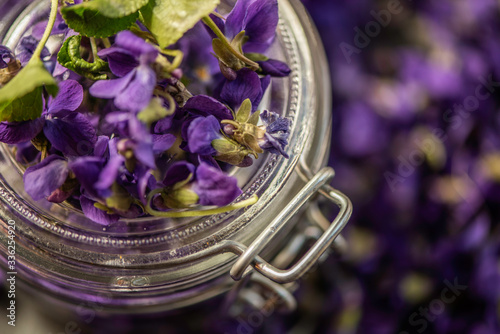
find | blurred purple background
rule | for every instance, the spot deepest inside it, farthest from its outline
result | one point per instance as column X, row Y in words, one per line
column 416, row 146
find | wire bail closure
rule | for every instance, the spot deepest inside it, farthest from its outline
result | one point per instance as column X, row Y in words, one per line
column 317, row 183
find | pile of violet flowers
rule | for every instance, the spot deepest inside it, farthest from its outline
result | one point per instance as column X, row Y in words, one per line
column 130, row 117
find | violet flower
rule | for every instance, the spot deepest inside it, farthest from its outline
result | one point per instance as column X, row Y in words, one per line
column 259, row 20
column 200, row 134
column 136, row 139
column 214, row 187
column 274, row 68
column 88, row 171
column 130, row 60
column 6, row 57
column 186, row 185
column 277, row 133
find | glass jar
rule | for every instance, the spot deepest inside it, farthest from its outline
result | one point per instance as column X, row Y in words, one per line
column 155, row 264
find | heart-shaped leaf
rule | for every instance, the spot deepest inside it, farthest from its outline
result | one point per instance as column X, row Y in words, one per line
column 168, row 20
column 21, row 98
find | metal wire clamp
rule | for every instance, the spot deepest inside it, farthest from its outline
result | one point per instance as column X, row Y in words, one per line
column 317, row 183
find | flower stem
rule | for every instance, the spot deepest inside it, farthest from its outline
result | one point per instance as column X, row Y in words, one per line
column 93, row 45
column 197, row 213
column 178, row 57
column 48, row 30
column 106, row 42
column 211, row 24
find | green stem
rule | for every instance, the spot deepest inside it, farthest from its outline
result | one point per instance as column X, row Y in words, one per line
column 170, row 100
column 93, row 45
column 48, row 30
column 178, row 57
column 196, row 213
column 211, row 24
column 106, row 42
column 219, row 16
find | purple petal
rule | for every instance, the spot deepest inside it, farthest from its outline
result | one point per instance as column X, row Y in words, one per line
column 161, row 143
column 39, row 29
column 26, row 152
column 96, row 214
column 70, row 97
column 200, row 134
column 120, row 62
column 144, row 153
column 6, row 56
column 237, row 18
column 246, row 86
column 20, row 132
column 209, row 160
column 59, row 195
column 41, row 180
column 109, row 89
column 138, row 131
column 203, row 105
column 277, row 133
column 260, row 25
column 275, row 68
column 101, row 147
column 137, row 95
column 164, row 125
column 178, row 172
column 137, row 46
column 73, row 135
column 144, row 177
column 109, row 174
column 60, row 27
column 117, row 117
column 87, row 170
column 59, row 70
column 215, row 187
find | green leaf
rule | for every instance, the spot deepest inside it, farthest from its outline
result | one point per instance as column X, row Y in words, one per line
column 168, row 20
column 118, row 8
column 225, row 55
column 256, row 57
column 21, row 98
column 243, row 113
column 69, row 56
column 254, row 118
column 88, row 20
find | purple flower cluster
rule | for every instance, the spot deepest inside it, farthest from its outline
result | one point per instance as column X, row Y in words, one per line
column 139, row 141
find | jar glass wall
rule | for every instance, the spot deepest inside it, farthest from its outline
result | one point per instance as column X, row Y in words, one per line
column 156, row 264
